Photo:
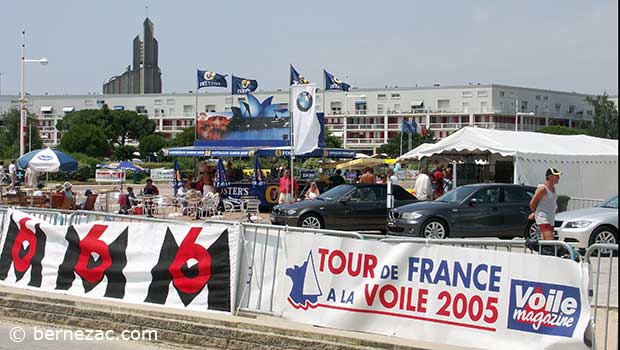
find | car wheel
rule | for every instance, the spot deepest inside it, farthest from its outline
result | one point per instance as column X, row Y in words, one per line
column 435, row 229
column 312, row 221
column 532, row 231
column 606, row 235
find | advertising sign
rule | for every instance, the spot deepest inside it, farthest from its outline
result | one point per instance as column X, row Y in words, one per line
column 495, row 300
column 162, row 175
column 102, row 175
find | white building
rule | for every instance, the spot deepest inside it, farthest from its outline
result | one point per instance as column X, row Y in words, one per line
column 363, row 118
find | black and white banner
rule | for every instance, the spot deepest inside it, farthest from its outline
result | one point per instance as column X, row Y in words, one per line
column 183, row 266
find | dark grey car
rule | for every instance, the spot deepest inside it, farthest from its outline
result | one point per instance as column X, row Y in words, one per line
column 356, row 207
column 481, row 210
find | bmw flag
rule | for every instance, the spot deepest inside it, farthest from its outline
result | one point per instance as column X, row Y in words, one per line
column 207, row 78
column 241, row 86
column 306, row 125
column 333, row 83
column 296, row 78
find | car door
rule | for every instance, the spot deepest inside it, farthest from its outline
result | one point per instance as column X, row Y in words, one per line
column 515, row 208
column 369, row 208
column 479, row 215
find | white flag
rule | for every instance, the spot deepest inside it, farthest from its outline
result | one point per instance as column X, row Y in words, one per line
column 306, row 126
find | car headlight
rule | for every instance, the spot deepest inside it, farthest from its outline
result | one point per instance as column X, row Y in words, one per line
column 291, row 212
column 578, row 224
column 411, row 216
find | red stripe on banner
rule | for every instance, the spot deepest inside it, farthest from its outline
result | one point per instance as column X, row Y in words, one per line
column 427, row 319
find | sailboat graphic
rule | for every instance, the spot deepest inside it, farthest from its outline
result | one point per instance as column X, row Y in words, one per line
column 306, row 289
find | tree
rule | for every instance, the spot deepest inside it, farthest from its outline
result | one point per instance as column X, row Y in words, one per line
column 151, row 144
column 9, row 134
column 118, row 126
column 563, row 130
column 331, row 141
column 88, row 139
column 184, row 138
column 605, row 123
column 124, row 152
column 392, row 147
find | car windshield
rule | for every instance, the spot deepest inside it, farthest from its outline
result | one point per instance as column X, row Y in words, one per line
column 457, row 195
column 610, row 203
column 336, row 192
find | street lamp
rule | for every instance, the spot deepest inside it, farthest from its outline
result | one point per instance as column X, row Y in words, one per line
column 22, row 100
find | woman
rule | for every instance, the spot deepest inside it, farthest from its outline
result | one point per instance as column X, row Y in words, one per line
column 313, row 192
column 287, row 192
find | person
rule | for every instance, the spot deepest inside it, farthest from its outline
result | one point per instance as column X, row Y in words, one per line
column 82, row 204
column 31, row 178
column 287, row 194
column 382, row 179
column 438, row 182
column 39, row 191
column 2, row 173
column 368, row 177
column 336, row 179
column 150, row 189
column 124, row 202
column 12, row 175
column 133, row 200
column 313, row 192
column 423, row 186
column 67, row 190
column 544, row 205
column 392, row 176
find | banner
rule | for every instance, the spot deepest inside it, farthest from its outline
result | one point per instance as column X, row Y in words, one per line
column 306, row 125
column 162, row 175
column 109, row 175
column 182, row 266
column 459, row 296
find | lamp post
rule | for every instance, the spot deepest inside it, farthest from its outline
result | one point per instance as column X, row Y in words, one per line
column 23, row 115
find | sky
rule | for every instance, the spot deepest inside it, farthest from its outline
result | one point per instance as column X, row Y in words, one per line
column 568, row 45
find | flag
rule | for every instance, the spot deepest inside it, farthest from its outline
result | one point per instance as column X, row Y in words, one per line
column 414, row 127
column 221, row 180
column 177, row 180
column 258, row 178
column 241, row 86
column 206, row 78
column 333, row 83
column 296, row 78
column 306, row 125
column 405, row 127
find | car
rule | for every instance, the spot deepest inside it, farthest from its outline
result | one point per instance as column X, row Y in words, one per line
column 353, row 207
column 584, row 227
column 478, row 210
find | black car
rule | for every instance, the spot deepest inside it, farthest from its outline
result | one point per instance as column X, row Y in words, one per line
column 481, row 210
column 357, row 207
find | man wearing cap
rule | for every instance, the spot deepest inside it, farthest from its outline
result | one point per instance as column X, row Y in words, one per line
column 544, row 204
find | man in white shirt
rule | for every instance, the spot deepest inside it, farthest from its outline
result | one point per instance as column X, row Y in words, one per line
column 423, row 187
column 392, row 176
column 12, row 175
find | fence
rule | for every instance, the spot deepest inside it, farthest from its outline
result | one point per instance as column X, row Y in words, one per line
column 262, row 251
column 582, row 203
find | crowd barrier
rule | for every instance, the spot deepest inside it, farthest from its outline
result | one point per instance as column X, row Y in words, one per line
column 582, row 203
column 263, row 248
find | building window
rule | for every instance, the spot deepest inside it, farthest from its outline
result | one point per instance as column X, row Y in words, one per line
column 380, row 109
column 100, row 102
column 170, row 101
column 537, row 97
column 360, row 107
column 589, row 112
column 395, row 96
column 381, row 97
column 140, row 109
column 465, row 106
column 228, row 100
column 397, row 108
column 558, row 107
column 210, row 108
column 467, row 94
column 483, row 106
column 546, row 98
column 523, row 106
column 443, row 104
column 571, row 109
column 88, row 102
column 483, row 93
column 336, row 108
column 502, row 94
column 159, row 102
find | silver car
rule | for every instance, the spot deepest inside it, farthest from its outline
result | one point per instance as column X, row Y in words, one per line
column 584, row 227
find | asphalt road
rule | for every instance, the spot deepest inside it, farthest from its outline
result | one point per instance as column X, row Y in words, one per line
column 23, row 336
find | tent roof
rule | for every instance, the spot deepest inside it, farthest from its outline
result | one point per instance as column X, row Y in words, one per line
column 476, row 141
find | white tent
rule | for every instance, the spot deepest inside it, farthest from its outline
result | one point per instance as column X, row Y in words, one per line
column 589, row 164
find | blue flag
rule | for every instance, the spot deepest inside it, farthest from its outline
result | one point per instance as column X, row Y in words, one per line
column 333, row 83
column 206, row 78
column 242, row 86
column 407, row 127
column 296, row 78
column 177, row 179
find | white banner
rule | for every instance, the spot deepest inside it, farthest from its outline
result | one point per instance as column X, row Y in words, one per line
column 162, row 175
column 183, row 266
column 306, row 125
column 109, row 175
column 460, row 296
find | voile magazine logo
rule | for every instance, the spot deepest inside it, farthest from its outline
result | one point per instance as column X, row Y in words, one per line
column 543, row 308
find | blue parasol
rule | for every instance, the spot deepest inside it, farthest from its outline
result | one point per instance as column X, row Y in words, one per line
column 47, row 160
column 221, row 180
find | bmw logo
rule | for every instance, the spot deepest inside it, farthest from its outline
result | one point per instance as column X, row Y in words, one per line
column 304, row 101
column 44, row 157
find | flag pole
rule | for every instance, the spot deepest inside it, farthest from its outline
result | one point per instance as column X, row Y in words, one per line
column 292, row 142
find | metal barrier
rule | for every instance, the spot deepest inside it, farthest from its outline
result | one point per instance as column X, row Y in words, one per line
column 582, row 203
column 603, row 296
